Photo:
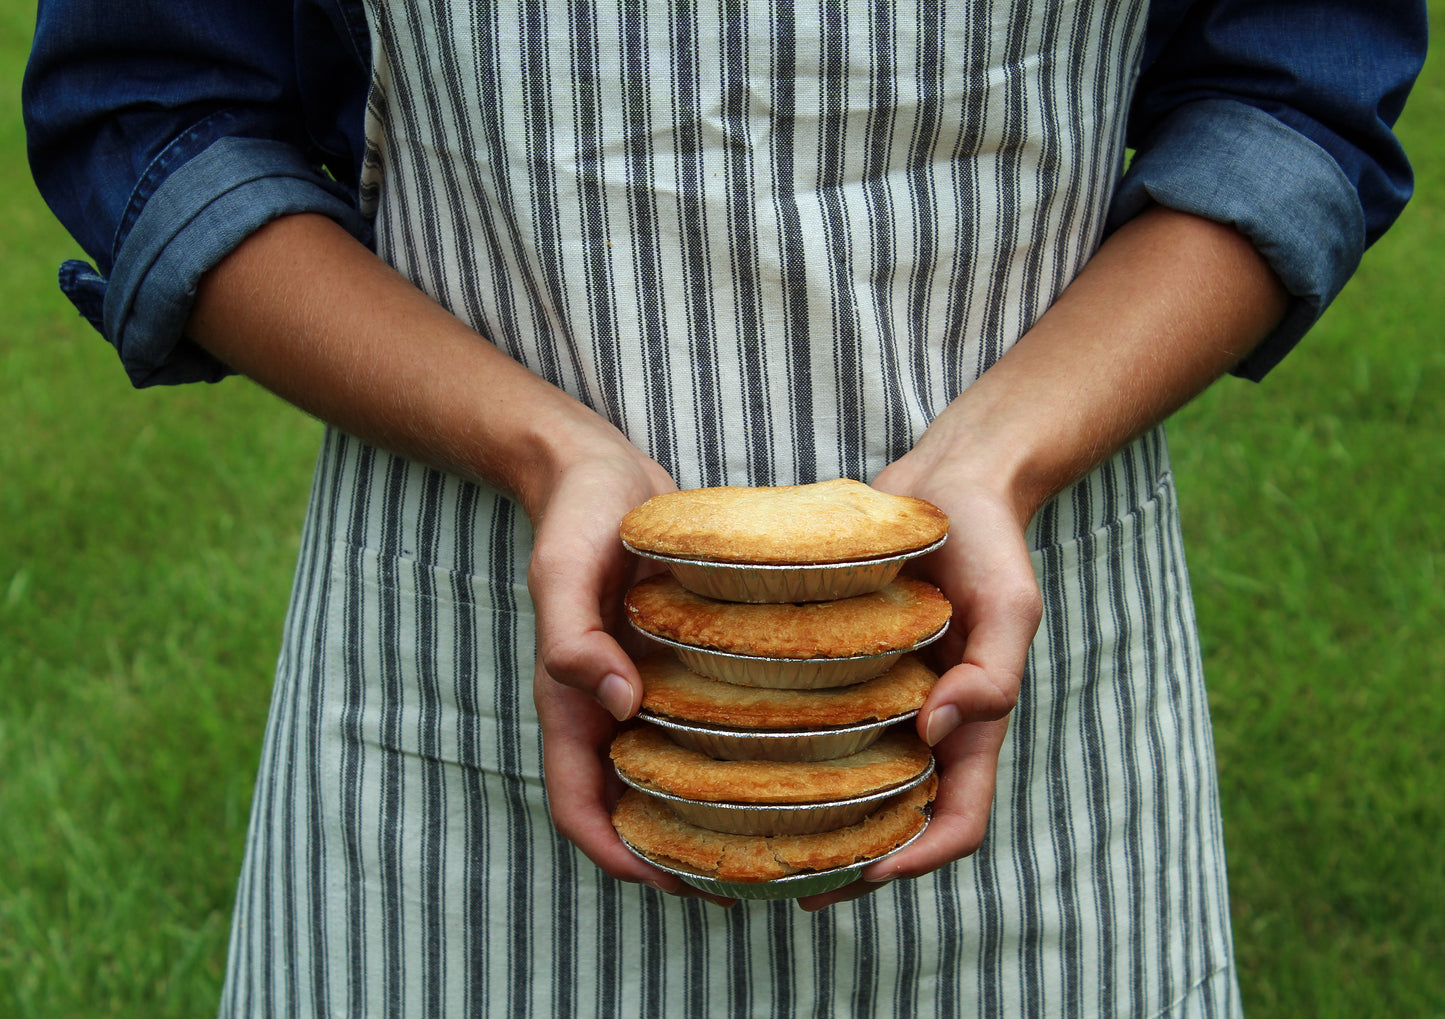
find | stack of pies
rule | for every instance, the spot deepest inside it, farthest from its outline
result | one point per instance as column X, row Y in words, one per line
column 768, row 762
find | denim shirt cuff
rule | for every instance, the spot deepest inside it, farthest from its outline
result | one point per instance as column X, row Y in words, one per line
column 201, row 212
column 1234, row 163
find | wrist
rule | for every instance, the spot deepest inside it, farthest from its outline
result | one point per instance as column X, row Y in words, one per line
column 978, row 446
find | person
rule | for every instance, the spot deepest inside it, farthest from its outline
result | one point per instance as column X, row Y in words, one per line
column 533, row 263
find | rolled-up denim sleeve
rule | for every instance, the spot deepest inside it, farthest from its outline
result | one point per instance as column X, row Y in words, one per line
column 162, row 136
column 1277, row 118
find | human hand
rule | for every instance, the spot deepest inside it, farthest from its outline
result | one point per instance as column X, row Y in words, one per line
column 985, row 570
column 585, row 683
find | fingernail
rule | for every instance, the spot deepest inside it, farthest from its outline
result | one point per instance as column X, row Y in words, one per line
column 615, row 694
column 941, row 722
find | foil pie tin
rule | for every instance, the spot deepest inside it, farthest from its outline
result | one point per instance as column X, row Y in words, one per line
column 782, row 745
column 773, row 584
column 794, row 886
column 787, row 673
column 779, row 819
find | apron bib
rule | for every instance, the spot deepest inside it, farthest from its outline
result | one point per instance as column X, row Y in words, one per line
column 770, row 242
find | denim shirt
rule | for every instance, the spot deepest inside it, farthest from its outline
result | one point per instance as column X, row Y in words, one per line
column 162, row 136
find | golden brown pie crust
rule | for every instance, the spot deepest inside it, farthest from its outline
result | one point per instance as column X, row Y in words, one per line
column 670, row 690
column 826, row 522
column 896, row 618
column 651, row 828
column 648, row 758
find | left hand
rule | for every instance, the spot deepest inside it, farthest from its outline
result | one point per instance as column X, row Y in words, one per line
column 985, row 570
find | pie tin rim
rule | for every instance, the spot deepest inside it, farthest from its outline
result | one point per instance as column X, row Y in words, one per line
column 790, row 886
column 725, row 732
column 677, row 645
column 733, row 564
column 780, row 808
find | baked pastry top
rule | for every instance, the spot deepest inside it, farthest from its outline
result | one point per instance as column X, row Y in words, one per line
column 670, row 690
column 648, row 758
column 826, row 522
column 651, row 828
column 895, row 618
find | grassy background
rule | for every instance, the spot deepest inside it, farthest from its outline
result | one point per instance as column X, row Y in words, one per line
column 147, row 540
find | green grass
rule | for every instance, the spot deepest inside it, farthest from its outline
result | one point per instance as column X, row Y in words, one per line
column 1314, row 505
column 146, row 545
column 147, row 540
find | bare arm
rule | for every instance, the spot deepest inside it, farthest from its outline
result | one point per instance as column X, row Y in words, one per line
column 306, row 311
column 1168, row 304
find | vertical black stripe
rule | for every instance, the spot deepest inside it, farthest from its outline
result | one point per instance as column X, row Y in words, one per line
column 794, row 283
column 738, row 173
column 591, row 93
column 968, row 203
column 950, row 937
column 739, row 959
column 880, row 214
column 551, row 309
column 696, row 974
column 922, row 193
column 711, row 438
column 643, row 231
column 506, row 692
column 829, row 179
column 431, row 888
column 1007, row 176
column 391, row 808
column 906, row 990
column 475, row 836
column 1047, row 180
column 822, row 937
column 654, row 951
column 326, row 505
column 1128, row 790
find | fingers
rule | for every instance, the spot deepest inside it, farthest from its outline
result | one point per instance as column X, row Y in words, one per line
column 967, row 762
column 997, row 609
column 578, row 573
column 984, row 685
column 967, row 770
column 582, row 787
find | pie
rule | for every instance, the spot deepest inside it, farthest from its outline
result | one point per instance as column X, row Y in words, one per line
column 827, row 522
column 896, row 618
column 651, row 828
column 674, row 692
column 648, row 758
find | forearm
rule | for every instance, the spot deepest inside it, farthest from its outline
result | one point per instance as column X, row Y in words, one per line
column 1167, row 305
column 311, row 314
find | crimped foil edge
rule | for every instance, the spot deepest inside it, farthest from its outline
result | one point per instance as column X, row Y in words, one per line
column 765, row 583
column 794, row 886
column 786, row 673
column 781, row 745
column 768, row 819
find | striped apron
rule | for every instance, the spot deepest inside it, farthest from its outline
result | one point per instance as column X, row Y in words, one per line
column 771, row 241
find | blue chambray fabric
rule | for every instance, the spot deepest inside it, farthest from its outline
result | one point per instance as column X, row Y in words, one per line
column 118, row 97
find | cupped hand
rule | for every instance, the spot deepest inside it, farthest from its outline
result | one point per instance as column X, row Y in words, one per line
column 585, row 684
column 985, row 570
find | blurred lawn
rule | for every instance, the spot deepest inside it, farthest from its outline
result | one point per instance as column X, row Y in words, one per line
column 146, row 546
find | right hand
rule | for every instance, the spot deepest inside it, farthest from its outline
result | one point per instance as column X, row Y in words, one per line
column 579, row 570
column 586, row 683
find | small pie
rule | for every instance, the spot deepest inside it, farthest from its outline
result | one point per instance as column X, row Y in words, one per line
column 649, row 759
column 827, row 522
column 652, row 828
column 896, row 618
column 674, row 692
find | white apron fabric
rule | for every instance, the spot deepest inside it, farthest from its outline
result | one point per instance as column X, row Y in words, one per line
column 771, row 242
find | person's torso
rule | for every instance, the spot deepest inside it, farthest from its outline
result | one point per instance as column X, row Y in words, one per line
column 770, row 241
